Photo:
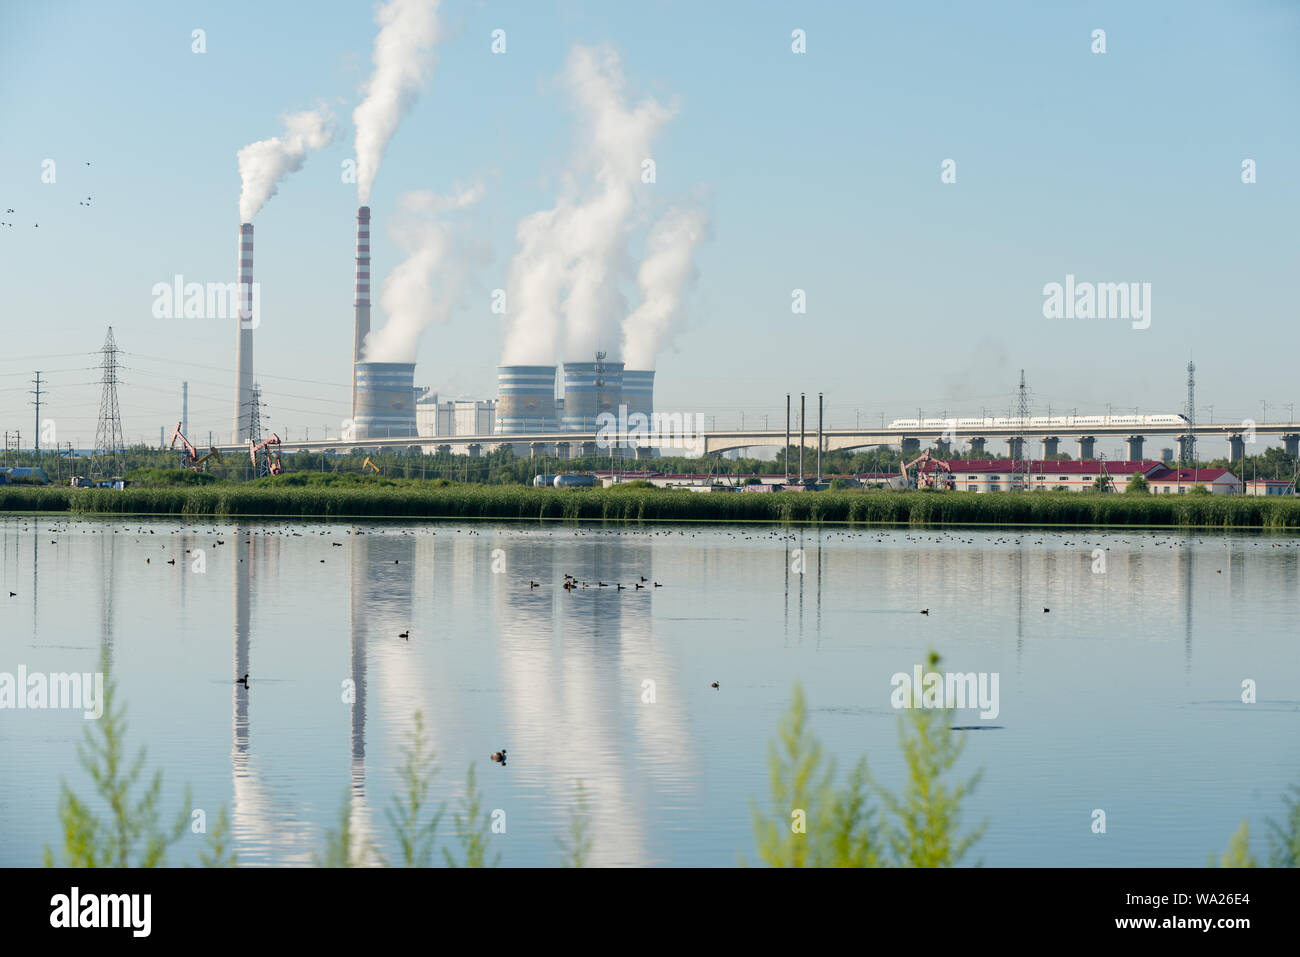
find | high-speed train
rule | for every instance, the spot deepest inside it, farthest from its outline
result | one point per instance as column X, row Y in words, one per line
column 1064, row 422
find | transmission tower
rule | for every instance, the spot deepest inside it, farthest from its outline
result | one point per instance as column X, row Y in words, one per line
column 108, row 460
column 262, row 466
column 1190, row 445
column 1021, row 464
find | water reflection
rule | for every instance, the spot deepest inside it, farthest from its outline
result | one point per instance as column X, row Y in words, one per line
column 611, row 688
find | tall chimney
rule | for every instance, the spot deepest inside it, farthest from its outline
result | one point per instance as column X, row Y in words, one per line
column 244, row 332
column 361, row 299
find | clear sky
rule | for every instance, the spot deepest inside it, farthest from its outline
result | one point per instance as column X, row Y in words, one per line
column 818, row 172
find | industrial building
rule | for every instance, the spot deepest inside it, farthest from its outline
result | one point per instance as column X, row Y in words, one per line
column 435, row 418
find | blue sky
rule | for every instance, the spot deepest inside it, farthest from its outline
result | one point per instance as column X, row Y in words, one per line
column 818, row 171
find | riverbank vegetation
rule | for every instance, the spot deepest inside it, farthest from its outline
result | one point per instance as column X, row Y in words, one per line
column 503, row 467
column 294, row 496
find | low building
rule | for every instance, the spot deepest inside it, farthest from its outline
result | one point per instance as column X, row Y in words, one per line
column 1001, row 475
column 1270, row 487
column 1176, row 481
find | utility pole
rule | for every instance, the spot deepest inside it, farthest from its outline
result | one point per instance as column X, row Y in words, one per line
column 787, row 438
column 1022, row 467
column 37, row 392
column 819, row 437
column 803, row 411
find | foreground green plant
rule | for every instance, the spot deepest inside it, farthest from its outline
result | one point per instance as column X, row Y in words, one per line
column 816, row 824
column 473, row 828
column 1238, row 853
column 130, row 834
column 218, row 852
column 577, row 846
column 1283, row 839
column 923, row 827
column 342, row 847
column 415, row 837
column 1284, row 835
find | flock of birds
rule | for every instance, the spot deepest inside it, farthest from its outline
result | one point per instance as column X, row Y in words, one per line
column 10, row 211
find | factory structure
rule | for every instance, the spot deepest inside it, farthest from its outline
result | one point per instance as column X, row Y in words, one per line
column 387, row 404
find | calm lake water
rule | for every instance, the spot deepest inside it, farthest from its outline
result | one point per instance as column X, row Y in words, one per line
column 1125, row 697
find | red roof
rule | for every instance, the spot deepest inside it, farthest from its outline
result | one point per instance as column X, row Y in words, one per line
column 1047, row 467
column 1188, row 475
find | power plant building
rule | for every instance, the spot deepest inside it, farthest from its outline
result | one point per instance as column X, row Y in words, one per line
column 590, row 389
column 384, row 400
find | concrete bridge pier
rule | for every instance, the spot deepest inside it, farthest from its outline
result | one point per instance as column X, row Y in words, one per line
column 536, row 448
column 1292, row 443
column 444, row 450
column 977, row 448
column 1051, row 446
column 911, row 446
column 1016, row 448
column 1236, row 448
column 1087, row 448
column 1184, row 448
column 944, row 448
column 474, row 449
column 1134, row 444
column 643, row 452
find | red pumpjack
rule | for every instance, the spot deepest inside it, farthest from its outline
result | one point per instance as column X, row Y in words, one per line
column 190, row 457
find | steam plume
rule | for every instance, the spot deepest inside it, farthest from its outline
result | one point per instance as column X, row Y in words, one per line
column 666, row 271
column 263, row 164
column 427, row 284
column 571, row 256
column 403, row 62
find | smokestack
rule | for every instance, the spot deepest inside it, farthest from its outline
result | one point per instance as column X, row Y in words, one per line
column 361, row 298
column 244, row 331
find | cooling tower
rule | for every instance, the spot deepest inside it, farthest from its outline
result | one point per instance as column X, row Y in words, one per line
column 361, row 301
column 525, row 399
column 590, row 388
column 244, row 323
column 639, row 391
column 385, row 400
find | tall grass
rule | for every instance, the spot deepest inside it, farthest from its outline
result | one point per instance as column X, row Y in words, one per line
column 403, row 499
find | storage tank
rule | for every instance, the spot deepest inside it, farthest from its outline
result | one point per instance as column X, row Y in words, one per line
column 525, row 399
column 590, row 388
column 575, row 481
column 385, row 405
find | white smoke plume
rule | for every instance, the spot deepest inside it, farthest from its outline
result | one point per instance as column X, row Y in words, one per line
column 571, row 257
column 263, row 164
column 427, row 284
column 408, row 30
column 667, row 269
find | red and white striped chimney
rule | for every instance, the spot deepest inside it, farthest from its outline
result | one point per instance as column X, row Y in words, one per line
column 244, row 330
column 361, row 297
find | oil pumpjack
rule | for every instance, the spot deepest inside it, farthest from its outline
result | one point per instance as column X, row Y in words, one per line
column 190, row 457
